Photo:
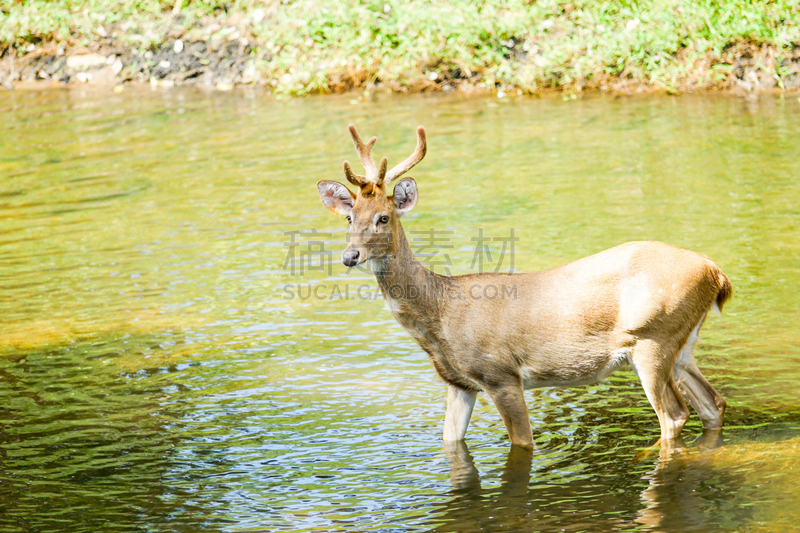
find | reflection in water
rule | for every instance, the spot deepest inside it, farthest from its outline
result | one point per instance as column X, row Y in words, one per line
column 681, row 492
column 475, row 509
column 520, row 503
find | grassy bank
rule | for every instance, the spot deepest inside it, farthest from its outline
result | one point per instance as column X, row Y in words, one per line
column 334, row 45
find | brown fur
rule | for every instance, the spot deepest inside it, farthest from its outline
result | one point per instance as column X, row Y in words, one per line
column 638, row 302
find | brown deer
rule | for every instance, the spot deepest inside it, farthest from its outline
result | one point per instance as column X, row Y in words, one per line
column 642, row 303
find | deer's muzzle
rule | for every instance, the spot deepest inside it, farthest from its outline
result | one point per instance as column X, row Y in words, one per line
column 350, row 258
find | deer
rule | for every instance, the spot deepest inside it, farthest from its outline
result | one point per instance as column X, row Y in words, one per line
column 640, row 304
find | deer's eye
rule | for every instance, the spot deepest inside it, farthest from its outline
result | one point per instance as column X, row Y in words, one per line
column 384, row 219
column 349, row 220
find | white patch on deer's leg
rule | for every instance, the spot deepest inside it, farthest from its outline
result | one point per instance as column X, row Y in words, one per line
column 686, row 356
column 629, row 355
column 459, row 410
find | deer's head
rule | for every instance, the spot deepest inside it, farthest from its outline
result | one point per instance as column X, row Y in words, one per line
column 374, row 215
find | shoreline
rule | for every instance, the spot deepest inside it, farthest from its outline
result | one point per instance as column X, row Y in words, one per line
column 302, row 47
column 51, row 65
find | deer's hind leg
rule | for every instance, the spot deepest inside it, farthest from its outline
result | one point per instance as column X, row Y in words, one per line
column 698, row 392
column 653, row 363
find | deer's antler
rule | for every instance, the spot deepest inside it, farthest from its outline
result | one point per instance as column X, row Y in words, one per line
column 413, row 159
column 377, row 175
column 374, row 174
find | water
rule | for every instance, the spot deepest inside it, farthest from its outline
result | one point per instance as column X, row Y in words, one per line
column 164, row 367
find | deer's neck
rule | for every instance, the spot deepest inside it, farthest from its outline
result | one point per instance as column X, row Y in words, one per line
column 407, row 286
column 419, row 299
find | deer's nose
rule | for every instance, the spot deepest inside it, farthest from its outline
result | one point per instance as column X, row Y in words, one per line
column 350, row 258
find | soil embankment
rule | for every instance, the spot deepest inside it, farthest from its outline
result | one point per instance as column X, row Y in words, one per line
column 303, row 47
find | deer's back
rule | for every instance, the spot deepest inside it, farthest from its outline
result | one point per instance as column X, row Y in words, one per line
column 571, row 321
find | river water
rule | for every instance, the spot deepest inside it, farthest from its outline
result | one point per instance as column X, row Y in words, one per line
column 182, row 350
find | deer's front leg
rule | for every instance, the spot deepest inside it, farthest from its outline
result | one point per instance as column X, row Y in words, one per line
column 459, row 409
column 510, row 401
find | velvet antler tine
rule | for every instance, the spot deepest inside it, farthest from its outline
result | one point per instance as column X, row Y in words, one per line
column 382, row 171
column 355, row 179
column 416, row 157
column 364, row 152
column 378, row 176
column 366, row 158
column 356, row 137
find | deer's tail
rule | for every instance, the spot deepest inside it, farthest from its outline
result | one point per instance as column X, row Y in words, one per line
column 724, row 288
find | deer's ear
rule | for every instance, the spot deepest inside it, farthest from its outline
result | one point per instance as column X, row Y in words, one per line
column 336, row 197
column 405, row 195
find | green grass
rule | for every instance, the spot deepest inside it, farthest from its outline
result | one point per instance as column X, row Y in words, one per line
column 321, row 46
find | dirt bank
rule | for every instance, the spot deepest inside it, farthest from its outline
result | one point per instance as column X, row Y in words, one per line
column 225, row 64
column 221, row 64
column 301, row 47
